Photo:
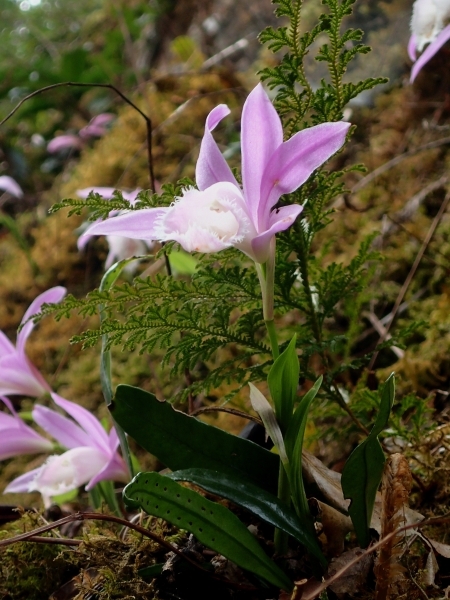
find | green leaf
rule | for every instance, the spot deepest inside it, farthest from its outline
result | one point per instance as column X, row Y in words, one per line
column 283, row 383
column 259, row 502
column 107, row 282
column 296, row 434
column 212, row 524
column 262, row 406
column 182, row 442
column 362, row 472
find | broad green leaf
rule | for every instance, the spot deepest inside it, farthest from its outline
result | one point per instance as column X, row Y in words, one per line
column 297, row 435
column 283, row 383
column 183, row 442
column 212, row 524
column 362, row 472
column 262, row 406
column 262, row 504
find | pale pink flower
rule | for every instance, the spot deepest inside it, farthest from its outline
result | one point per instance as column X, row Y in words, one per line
column 91, row 456
column 430, row 31
column 221, row 213
column 17, row 373
column 10, row 185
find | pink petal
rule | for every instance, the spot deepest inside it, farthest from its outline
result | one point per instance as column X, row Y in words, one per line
column 138, row 225
column 6, row 346
column 64, row 142
column 114, row 470
column 280, row 220
column 51, row 296
column 92, row 131
column 261, row 135
column 412, row 44
column 64, row 430
column 19, row 376
column 10, row 185
column 22, row 440
column 22, row 483
column 90, row 424
column 211, row 166
column 102, row 119
column 295, row 160
column 430, row 51
column 66, row 472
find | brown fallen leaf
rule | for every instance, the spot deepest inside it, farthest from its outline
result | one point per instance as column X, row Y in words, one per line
column 335, row 525
column 327, row 487
column 355, row 579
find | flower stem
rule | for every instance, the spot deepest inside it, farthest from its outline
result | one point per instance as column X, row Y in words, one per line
column 266, row 275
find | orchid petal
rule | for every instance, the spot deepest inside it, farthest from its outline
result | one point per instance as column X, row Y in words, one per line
column 64, row 142
column 295, row 160
column 412, row 45
column 22, row 483
column 19, row 376
column 10, row 185
column 51, row 296
column 138, row 225
column 22, row 440
column 66, row 472
column 211, row 166
column 261, row 135
column 6, row 346
column 280, row 220
column 430, row 51
column 114, row 470
column 86, row 420
column 68, row 433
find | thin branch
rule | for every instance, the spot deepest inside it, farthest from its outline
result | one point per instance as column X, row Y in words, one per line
column 231, row 411
column 395, row 161
column 79, row 516
column 322, row 587
column 411, row 274
column 109, row 86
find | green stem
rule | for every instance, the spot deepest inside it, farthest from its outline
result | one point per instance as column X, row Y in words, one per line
column 266, row 274
column 284, row 494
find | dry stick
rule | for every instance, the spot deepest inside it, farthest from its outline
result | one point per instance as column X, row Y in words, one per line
column 32, row 537
column 318, row 590
column 101, row 85
column 231, row 411
column 395, row 161
column 79, row 516
column 411, row 274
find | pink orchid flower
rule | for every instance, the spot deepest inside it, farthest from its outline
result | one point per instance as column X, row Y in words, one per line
column 10, row 185
column 428, row 31
column 119, row 247
column 17, row 374
column 221, row 213
column 69, row 141
column 91, row 456
column 18, row 438
column 97, row 126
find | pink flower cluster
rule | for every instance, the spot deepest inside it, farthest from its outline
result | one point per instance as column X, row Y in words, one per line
column 97, row 127
column 91, row 454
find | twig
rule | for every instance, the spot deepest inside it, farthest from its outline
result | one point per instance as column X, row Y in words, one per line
column 231, row 411
column 411, row 274
column 395, row 161
column 79, row 516
column 319, row 589
column 109, row 86
column 51, row 540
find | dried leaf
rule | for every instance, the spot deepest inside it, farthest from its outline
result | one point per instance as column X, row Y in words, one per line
column 335, row 526
column 355, row 579
column 395, row 488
